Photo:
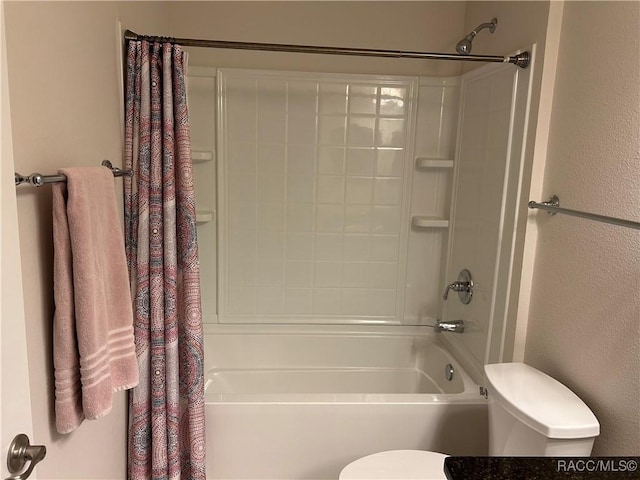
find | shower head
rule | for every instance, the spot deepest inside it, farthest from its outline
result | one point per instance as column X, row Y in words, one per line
column 463, row 47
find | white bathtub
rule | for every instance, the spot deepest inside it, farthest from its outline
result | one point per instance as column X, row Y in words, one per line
column 287, row 402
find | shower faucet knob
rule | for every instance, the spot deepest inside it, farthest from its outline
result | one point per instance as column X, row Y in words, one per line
column 464, row 287
column 456, row 287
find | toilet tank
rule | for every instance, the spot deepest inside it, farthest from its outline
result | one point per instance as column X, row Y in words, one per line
column 532, row 414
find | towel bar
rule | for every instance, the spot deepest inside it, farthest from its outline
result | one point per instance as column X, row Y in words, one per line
column 552, row 206
column 37, row 180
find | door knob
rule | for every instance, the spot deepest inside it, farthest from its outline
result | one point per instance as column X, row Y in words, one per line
column 464, row 287
column 21, row 452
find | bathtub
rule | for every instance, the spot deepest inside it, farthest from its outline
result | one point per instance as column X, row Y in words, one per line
column 287, row 402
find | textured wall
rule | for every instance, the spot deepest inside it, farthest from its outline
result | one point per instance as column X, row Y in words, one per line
column 584, row 322
column 419, row 26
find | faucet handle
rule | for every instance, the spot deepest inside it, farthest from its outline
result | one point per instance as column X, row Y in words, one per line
column 464, row 287
column 455, row 286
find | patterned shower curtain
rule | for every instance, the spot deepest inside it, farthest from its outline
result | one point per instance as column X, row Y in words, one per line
column 166, row 410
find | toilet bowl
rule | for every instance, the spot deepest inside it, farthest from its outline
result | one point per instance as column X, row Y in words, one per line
column 397, row 465
column 530, row 414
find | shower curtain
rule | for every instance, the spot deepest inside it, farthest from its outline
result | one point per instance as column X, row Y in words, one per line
column 166, row 410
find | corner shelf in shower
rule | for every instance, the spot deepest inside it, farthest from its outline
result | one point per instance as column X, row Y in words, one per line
column 200, row 156
column 428, row 162
column 204, row 216
column 428, row 221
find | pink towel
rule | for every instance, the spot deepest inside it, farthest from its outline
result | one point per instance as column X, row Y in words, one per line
column 93, row 345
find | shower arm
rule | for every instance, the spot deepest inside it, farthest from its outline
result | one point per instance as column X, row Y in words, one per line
column 490, row 25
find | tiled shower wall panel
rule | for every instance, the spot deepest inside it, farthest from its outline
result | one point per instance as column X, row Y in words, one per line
column 435, row 138
column 490, row 154
column 314, row 188
column 201, row 85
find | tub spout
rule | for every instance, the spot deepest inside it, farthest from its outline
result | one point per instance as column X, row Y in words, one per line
column 455, row 326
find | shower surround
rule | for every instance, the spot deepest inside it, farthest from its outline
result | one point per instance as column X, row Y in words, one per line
column 330, row 207
column 326, row 262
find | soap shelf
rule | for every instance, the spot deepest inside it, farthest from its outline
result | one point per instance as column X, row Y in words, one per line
column 201, row 156
column 427, row 162
column 427, row 221
column 205, row 216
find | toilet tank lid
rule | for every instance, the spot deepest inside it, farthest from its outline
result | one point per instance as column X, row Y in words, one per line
column 541, row 402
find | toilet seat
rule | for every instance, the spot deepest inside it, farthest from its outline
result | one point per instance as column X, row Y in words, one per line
column 397, row 465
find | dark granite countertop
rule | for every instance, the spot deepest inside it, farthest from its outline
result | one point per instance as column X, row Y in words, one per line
column 542, row 468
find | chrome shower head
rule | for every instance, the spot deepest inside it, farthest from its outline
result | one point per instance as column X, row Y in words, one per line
column 463, row 47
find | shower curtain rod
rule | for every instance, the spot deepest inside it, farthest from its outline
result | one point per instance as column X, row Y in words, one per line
column 521, row 59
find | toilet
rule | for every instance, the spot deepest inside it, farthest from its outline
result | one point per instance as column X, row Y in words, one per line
column 530, row 414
